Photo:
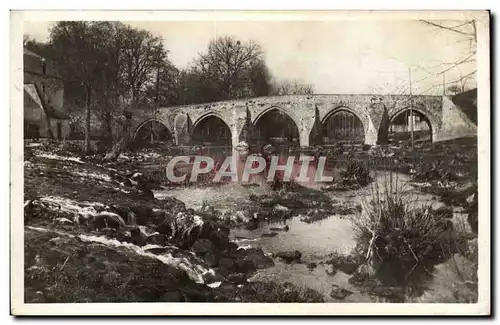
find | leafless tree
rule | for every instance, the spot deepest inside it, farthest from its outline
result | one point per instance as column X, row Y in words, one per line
column 228, row 64
column 466, row 32
column 291, row 88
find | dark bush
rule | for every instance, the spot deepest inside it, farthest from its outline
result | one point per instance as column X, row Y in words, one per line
column 393, row 231
column 356, row 173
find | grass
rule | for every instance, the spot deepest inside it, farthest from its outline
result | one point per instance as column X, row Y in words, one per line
column 394, row 230
column 270, row 292
column 402, row 241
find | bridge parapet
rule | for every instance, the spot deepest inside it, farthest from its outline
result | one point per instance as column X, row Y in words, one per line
column 303, row 109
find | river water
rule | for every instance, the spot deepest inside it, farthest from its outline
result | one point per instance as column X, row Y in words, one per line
column 314, row 240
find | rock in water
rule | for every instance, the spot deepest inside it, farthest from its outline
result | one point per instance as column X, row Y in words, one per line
column 346, row 264
column 138, row 238
column 107, row 219
column 272, row 234
column 258, row 258
column 312, row 266
column 285, row 228
column 339, row 293
column 290, row 256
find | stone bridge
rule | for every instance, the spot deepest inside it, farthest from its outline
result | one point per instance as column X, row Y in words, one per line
column 445, row 119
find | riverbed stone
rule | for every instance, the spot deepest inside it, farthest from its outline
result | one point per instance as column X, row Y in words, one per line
column 339, row 293
column 227, row 263
column 138, row 238
column 106, row 219
column 271, row 234
column 245, row 265
column 157, row 239
column 330, row 270
column 312, row 266
column 211, row 258
column 236, row 278
column 142, row 213
column 258, row 258
column 290, row 256
column 203, row 246
column 285, row 228
column 344, row 263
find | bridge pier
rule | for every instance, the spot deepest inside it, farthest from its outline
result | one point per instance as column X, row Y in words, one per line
column 304, row 138
column 446, row 120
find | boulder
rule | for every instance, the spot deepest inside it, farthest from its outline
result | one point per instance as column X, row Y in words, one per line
column 245, row 266
column 290, row 256
column 232, row 249
column 109, row 232
column 107, row 219
column 281, row 212
column 252, row 224
column 203, row 246
column 143, row 194
column 123, row 236
column 142, row 213
column 206, row 249
column 158, row 216
column 138, row 238
column 258, row 258
column 227, row 263
column 157, row 239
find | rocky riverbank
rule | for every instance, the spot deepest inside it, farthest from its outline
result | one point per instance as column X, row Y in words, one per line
column 94, row 232
column 100, row 232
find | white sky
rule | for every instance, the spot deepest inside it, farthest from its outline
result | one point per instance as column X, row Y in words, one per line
column 354, row 57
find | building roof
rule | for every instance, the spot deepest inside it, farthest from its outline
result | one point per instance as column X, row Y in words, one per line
column 28, row 52
column 32, row 98
column 467, row 103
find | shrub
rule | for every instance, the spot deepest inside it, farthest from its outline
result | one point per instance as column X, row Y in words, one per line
column 356, row 173
column 395, row 235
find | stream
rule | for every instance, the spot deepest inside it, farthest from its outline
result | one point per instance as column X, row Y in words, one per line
column 314, row 240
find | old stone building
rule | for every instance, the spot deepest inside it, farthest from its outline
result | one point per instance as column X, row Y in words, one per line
column 45, row 115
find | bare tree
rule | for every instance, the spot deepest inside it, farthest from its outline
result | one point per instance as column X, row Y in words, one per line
column 466, row 32
column 291, row 88
column 227, row 64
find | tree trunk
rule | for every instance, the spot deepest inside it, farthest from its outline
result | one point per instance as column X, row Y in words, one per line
column 122, row 144
column 106, row 131
column 88, row 149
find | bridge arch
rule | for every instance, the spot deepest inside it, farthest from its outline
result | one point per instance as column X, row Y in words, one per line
column 212, row 129
column 152, row 129
column 345, row 124
column 422, row 120
column 277, row 126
